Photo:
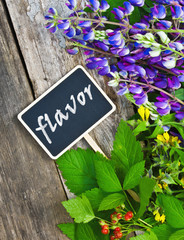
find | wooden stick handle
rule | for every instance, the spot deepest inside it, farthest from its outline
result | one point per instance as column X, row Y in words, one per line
column 93, row 144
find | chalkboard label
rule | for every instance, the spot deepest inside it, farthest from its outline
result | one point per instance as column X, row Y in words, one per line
column 66, row 112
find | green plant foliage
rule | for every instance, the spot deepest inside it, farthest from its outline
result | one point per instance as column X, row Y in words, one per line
column 112, row 201
column 140, row 128
column 180, row 93
column 126, row 150
column 68, row 229
column 84, row 232
column 163, row 231
column 145, row 236
column 173, row 210
column 178, row 235
column 133, row 175
column 146, row 186
column 78, row 169
column 80, row 209
column 157, row 130
column 106, row 177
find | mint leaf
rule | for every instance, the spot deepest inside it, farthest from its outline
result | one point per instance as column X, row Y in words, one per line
column 163, row 231
column 95, row 196
column 68, row 229
column 80, row 209
column 145, row 188
column 78, row 169
column 106, row 177
column 127, row 151
column 173, row 210
column 112, row 201
column 178, row 235
column 145, row 236
column 84, row 232
column 133, row 176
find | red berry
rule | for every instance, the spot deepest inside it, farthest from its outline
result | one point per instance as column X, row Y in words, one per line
column 119, row 235
column 105, row 231
column 128, row 216
column 105, row 226
column 112, row 237
column 114, row 221
column 117, row 229
column 119, row 215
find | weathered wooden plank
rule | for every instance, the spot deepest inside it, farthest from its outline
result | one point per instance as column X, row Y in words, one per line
column 30, row 188
column 47, row 61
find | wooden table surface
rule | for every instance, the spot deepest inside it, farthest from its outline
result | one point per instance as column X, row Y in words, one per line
column 32, row 60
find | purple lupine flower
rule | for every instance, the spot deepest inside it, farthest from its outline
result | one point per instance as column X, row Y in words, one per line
column 164, row 111
column 89, row 35
column 104, row 6
column 151, row 72
column 128, row 8
column 177, row 12
column 140, row 98
column 160, row 82
column 72, row 4
column 118, row 13
column 85, row 24
column 164, row 24
column 53, row 29
column 175, row 106
column 115, row 39
column 102, row 45
column 49, row 17
column 181, row 78
column 49, row 25
column 52, row 11
column 70, row 32
column 174, row 83
column 138, row 3
column 98, row 63
column 123, row 89
column 140, row 70
column 63, row 24
column 158, row 11
column 73, row 51
column 94, row 5
column 179, row 115
column 120, row 51
column 135, row 88
column 140, row 26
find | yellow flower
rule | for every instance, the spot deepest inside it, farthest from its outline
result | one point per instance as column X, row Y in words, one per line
column 157, row 217
column 182, row 180
column 155, row 212
column 165, row 185
column 165, row 138
column 144, row 113
column 160, row 186
column 175, row 139
column 162, row 218
column 179, row 163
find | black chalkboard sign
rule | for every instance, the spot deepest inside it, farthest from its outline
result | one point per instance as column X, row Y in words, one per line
column 66, row 112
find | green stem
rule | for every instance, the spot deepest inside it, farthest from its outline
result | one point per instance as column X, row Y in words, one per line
column 145, row 223
column 153, row 87
column 129, row 202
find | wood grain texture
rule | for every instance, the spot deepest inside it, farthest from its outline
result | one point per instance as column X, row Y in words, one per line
column 30, row 188
column 47, row 61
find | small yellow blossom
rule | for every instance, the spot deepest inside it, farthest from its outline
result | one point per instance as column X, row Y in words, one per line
column 144, row 113
column 160, row 186
column 182, row 180
column 179, row 163
column 162, row 218
column 155, row 212
column 165, row 185
column 157, row 217
column 166, row 138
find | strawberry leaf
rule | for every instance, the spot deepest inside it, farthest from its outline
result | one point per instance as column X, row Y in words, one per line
column 68, row 229
column 112, row 201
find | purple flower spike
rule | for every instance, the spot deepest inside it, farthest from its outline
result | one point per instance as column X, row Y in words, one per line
column 166, row 24
column 72, row 4
column 118, row 13
column 53, row 29
column 92, row 65
column 158, row 11
column 49, row 17
column 128, row 8
column 102, row 45
column 63, row 25
column 175, row 106
column 138, row 3
column 104, row 6
column 95, row 4
column 89, row 36
column 181, row 78
column 135, row 89
column 104, row 71
column 49, row 25
column 84, row 24
column 52, row 11
column 140, row 25
column 177, row 12
column 70, row 32
column 140, row 70
column 123, row 89
column 163, row 111
column 73, row 51
column 141, row 98
column 161, row 104
column 179, row 115
column 174, row 83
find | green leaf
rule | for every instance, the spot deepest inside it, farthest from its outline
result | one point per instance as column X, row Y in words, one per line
column 68, row 229
column 112, row 201
column 180, row 128
column 140, row 128
column 180, row 93
column 106, row 177
column 178, row 235
column 145, row 188
column 157, row 130
column 95, row 196
column 180, row 153
column 173, row 210
column 145, row 236
column 84, row 232
column 133, row 175
column 80, row 209
column 127, row 151
column 163, row 231
column 78, row 169
column 135, row 16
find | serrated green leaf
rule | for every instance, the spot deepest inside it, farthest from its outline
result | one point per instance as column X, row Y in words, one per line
column 180, row 128
column 97, row 230
column 106, row 177
column 80, row 209
column 146, row 187
column 163, row 231
column 78, row 169
column 112, row 201
column 127, row 151
column 178, row 235
column 68, row 229
column 180, row 93
column 145, row 236
column 168, row 118
column 133, row 176
column 140, row 128
column 95, row 196
column 173, row 210
column 157, row 130
column 84, row 232
column 180, row 153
